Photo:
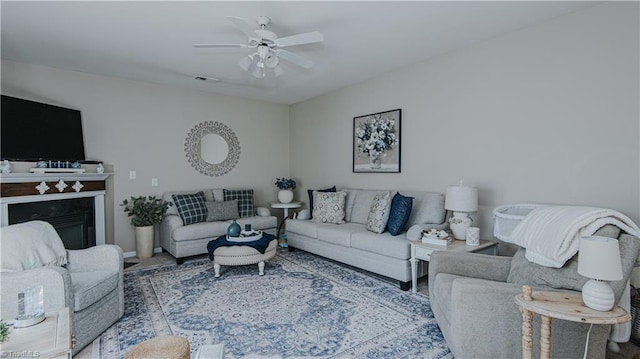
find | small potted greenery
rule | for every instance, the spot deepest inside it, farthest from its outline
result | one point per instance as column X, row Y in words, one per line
column 4, row 331
column 145, row 212
column 286, row 185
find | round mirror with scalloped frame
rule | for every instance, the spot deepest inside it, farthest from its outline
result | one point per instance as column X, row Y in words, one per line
column 212, row 148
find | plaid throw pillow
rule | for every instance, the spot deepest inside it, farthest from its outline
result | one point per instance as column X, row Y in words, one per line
column 245, row 200
column 191, row 207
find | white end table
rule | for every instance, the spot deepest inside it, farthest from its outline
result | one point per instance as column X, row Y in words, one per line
column 50, row 339
column 285, row 207
column 422, row 251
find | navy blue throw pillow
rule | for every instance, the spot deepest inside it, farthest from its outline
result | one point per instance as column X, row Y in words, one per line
column 399, row 214
column 310, row 193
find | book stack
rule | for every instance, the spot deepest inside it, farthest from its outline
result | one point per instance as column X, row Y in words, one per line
column 437, row 241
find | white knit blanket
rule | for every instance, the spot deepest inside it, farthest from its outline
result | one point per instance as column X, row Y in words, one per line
column 30, row 245
column 552, row 234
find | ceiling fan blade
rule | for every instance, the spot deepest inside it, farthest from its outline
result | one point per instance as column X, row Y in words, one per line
column 294, row 59
column 244, row 46
column 300, row 39
column 242, row 25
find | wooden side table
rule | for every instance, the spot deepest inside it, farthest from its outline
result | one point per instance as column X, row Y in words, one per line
column 285, row 207
column 50, row 339
column 560, row 305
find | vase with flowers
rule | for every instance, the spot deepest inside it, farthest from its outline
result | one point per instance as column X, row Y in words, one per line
column 374, row 137
column 286, row 185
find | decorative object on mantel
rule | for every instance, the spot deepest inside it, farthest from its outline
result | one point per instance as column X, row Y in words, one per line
column 5, row 167
column 56, row 170
column 461, row 200
column 286, row 185
column 42, row 187
column 77, row 186
column 212, row 148
column 599, row 260
column 145, row 212
column 376, row 142
column 61, row 186
column 100, row 168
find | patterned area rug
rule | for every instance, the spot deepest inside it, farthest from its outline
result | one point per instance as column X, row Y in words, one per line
column 304, row 306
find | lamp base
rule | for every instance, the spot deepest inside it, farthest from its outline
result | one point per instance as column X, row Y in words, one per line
column 598, row 295
column 459, row 224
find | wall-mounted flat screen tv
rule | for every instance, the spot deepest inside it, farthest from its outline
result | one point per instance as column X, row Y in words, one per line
column 32, row 131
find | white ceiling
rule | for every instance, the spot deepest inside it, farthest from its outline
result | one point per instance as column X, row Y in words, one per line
column 151, row 41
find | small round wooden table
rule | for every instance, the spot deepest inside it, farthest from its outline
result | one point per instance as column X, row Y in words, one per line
column 560, row 305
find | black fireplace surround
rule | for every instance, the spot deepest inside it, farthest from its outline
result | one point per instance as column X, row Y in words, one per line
column 73, row 219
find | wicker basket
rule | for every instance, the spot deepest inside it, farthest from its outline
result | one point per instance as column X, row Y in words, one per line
column 506, row 218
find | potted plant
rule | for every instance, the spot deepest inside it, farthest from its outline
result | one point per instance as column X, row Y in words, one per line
column 286, row 185
column 145, row 212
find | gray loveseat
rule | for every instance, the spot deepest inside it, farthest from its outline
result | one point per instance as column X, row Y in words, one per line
column 472, row 298
column 190, row 240
column 351, row 243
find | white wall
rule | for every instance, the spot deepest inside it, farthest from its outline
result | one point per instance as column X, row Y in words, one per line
column 548, row 114
column 141, row 126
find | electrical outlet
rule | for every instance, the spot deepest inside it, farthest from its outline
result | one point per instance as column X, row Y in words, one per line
column 154, row 182
column 132, row 175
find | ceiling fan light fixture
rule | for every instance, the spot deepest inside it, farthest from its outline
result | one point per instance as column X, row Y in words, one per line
column 258, row 72
column 277, row 71
column 271, row 61
column 245, row 62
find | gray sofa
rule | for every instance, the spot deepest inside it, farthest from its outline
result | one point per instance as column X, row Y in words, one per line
column 90, row 283
column 351, row 243
column 472, row 298
column 185, row 241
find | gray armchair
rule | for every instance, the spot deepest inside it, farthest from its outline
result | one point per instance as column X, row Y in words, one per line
column 90, row 283
column 472, row 298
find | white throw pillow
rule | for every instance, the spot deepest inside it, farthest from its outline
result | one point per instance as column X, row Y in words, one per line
column 379, row 212
column 328, row 207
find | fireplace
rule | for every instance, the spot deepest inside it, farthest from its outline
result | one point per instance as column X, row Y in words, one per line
column 72, row 218
column 74, row 203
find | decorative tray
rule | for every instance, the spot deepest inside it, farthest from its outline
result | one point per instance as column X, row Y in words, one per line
column 246, row 236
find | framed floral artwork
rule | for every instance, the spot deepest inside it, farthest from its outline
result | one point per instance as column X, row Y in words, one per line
column 376, row 142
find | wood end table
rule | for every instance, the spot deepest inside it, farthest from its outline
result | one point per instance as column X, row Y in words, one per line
column 560, row 305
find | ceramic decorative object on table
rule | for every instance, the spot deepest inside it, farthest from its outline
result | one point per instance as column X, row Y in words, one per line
column 473, row 236
column 100, row 168
column 285, row 185
column 234, row 229
column 41, row 164
column 285, row 196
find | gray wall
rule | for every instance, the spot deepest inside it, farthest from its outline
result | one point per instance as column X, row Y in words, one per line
column 548, row 114
column 140, row 126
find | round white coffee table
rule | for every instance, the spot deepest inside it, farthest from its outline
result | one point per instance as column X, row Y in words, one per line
column 285, row 207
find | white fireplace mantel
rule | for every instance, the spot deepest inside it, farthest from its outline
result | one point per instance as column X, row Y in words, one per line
column 35, row 187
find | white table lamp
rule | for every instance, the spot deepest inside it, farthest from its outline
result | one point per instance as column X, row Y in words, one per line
column 599, row 260
column 461, row 200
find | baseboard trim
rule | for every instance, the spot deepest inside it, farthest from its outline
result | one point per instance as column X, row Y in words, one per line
column 133, row 254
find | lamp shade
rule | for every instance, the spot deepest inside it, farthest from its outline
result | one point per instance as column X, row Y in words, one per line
column 599, row 258
column 461, row 199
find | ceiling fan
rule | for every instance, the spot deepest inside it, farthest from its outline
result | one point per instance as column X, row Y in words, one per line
column 269, row 48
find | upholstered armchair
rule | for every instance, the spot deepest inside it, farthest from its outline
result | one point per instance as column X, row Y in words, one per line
column 88, row 281
column 472, row 298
